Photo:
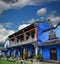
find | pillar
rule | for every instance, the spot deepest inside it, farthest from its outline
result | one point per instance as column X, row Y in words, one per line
column 18, row 52
column 14, row 53
column 24, row 37
column 24, row 53
column 36, row 50
column 8, row 52
column 36, row 34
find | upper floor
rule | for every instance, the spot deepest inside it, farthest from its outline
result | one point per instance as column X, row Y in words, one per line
column 29, row 34
column 24, row 36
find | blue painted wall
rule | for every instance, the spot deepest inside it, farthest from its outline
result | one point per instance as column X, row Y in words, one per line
column 58, row 53
column 29, row 48
column 17, row 51
column 4, row 52
column 46, row 51
column 12, row 51
column 26, row 47
column 42, row 27
column 45, row 36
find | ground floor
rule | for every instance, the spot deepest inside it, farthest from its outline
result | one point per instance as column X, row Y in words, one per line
column 23, row 51
column 51, row 52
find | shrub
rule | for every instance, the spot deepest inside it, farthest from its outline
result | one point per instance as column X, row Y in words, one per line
column 7, row 56
column 39, row 57
column 14, row 55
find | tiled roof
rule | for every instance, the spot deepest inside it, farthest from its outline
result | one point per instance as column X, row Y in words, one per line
column 50, row 42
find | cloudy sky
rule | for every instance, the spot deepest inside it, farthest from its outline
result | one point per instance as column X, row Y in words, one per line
column 15, row 14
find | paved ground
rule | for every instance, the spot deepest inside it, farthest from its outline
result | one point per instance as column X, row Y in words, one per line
column 38, row 63
column 29, row 62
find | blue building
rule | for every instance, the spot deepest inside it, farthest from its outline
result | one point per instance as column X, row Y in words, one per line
column 38, row 38
column 51, row 45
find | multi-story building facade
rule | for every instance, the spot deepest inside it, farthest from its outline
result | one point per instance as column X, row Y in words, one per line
column 37, row 38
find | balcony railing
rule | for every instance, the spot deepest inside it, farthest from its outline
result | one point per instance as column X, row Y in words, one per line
column 11, row 43
column 30, row 40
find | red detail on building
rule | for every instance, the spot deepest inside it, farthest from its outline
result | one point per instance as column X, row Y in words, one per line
column 15, row 40
column 36, row 32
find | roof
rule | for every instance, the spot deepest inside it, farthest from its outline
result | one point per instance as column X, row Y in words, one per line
column 50, row 42
column 28, row 27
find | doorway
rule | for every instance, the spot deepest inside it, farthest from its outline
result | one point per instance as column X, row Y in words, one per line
column 53, row 54
column 21, row 52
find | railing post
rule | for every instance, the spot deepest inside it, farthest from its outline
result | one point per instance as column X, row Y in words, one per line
column 24, row 37
column 15, row 40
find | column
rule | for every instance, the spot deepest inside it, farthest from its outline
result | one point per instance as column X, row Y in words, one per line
column 8, row 52
column 14, row 53
column 24, row 37
column 36, row 50
column 18, row 52
column 36, row 33
column 24, row 53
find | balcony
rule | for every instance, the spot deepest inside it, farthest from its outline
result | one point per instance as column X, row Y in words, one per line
column 26, row 38
column 11, row 43
column 29, row 41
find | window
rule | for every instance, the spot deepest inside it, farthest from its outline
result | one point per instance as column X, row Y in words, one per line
column 27, row 36
column 20, row 38
column 33, row 34
column 52, row 35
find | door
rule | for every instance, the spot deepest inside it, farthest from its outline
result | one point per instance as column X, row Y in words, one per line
column 21, row 52
column 25, row 54
column 53, row 54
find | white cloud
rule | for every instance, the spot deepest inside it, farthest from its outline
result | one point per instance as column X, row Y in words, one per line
column 7, row 4
column 1, row 26
column 22, row 26
column 3, row 6
column 4, row 33
column 42, row 11
column 8, row 24
column 54, row 19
